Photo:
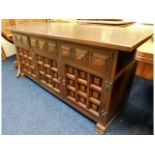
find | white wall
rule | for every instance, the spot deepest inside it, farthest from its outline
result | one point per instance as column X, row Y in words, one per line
column 8, row 48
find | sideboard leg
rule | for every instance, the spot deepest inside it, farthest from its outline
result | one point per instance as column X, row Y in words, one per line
column 18, row 75
column 23, row 75
column 100, row 128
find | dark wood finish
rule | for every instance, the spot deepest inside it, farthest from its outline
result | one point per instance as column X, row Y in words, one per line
column 95, row 80
column 115, row 37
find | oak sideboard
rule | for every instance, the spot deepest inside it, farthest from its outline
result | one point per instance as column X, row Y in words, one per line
column 89, row 67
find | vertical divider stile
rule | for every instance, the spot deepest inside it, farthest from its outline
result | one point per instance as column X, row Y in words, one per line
column 76, row 84
column 88, row 90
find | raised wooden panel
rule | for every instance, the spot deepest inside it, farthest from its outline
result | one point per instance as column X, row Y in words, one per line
column 41, row 44
column 21, row 40
column 34, row 42
column 27, row 63
column 76, row 54
column 66, row 51
column 82, row 55
column 48, row 73
column 83, row 89
column 44, row 45
column 102, row 61
column 52, row 47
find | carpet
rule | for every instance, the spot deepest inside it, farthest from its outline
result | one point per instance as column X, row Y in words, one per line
column 28, row 109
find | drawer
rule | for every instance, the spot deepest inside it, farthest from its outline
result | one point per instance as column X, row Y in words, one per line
column 66, row 51
column 76, row 54
column 21, row 40
column 45, row 45
column 82, row 55
column 102, row 60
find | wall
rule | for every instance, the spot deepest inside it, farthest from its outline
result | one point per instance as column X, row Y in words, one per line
column 8, row 48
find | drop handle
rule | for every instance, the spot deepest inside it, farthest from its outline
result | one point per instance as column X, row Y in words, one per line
column 63, row 82
column 108, row 86
column 103, row 113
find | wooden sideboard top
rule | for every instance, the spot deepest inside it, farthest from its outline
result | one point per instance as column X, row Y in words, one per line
column 126, row 38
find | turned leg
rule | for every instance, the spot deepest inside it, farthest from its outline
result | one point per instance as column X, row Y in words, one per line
column 17, row 63
column 19, row 70
column 100, row 128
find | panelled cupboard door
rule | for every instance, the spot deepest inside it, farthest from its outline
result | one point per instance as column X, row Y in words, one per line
column 47, row 63
column 48, row 72
column 27, row 63
column 83, row 88
column 85, row 74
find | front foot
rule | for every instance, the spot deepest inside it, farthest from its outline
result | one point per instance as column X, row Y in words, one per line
column 23, row 75
column 100, row 128
column 18, row 75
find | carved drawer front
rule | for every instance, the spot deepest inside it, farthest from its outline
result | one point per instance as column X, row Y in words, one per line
column 66, row 51
column 76, row 54
column 52, row 47
column 21, row 40
column 83, row 89
column 48, row 73
column 102, row 61
column 48, row 46
column 82, row 55
column 27, row 62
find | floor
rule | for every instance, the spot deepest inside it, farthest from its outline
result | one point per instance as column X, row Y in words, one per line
column 28, row 109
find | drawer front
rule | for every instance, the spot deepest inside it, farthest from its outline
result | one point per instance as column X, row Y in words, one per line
column 102, row 61
column 21, row 40
column 66, row 51
column 76, row 54
column 82, row 55
column 45, row 45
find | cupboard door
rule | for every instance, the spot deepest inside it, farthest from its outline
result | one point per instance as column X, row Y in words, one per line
column 26, row 58
column 83, row 89
column 48, row 72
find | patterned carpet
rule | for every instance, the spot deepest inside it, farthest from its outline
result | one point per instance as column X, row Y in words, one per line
column 28, row 109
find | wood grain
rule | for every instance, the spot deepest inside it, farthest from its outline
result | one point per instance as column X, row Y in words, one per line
column 115, row 37
column 93, row 79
